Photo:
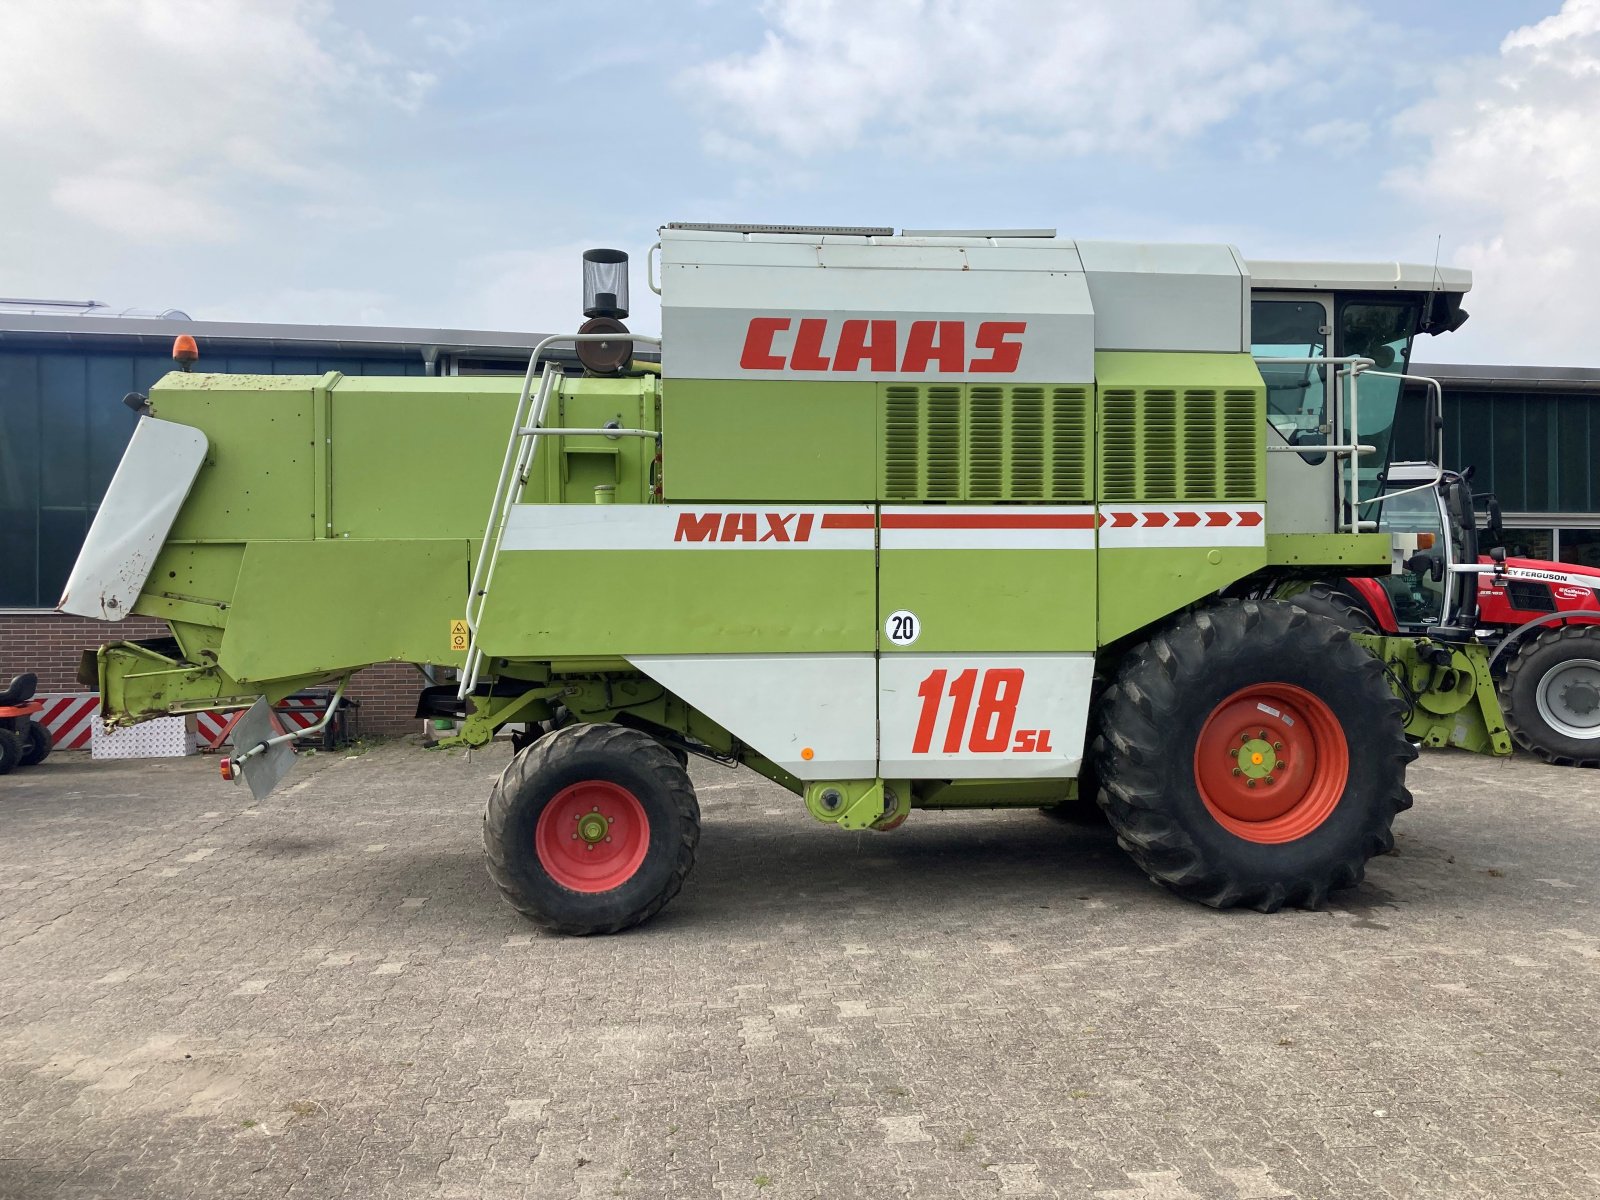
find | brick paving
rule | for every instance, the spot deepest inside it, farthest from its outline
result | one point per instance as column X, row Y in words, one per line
column 321, row 996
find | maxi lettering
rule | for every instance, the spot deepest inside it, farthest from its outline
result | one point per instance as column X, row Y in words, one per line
column 744, row 527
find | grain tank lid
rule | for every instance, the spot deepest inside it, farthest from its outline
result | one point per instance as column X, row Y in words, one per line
column 728, row 247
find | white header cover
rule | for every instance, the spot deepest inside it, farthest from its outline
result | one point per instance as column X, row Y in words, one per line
column 152, row 482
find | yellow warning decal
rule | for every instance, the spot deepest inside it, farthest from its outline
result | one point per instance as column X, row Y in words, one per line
column 458, row 636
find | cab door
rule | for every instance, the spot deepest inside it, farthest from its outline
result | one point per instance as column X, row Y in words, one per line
column 1301, row 487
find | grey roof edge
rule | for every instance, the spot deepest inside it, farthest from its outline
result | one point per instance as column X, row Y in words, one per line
column 75, row 330
column 1473, row 375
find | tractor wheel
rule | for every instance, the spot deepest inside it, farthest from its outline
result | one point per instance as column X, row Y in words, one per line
column 1250, row 755
column 1551, row 696
column 591, row 829
column 12, row 748
column 1320, row 600
column 37, row 745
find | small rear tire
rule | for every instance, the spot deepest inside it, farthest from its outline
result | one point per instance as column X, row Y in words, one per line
column 37, row 745
column 591, row 829
column 1551, row 696
column 1251, row 755
column 12, row 748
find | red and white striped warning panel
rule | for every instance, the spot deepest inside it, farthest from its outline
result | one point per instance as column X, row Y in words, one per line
column 990, row 528
column 1171, row 526
column 213, row 728
column 299, row 712
column 69, row 717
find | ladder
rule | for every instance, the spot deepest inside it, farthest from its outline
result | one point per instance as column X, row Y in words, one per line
column 527, row 430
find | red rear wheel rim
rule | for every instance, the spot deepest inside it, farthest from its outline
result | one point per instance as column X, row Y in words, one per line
column 1271, row 763
column 592, row 836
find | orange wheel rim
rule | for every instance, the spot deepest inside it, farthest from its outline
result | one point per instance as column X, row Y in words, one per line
column 1271, row 763
column 592, row 836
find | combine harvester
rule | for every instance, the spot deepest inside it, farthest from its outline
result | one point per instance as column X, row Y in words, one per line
column 942, row 520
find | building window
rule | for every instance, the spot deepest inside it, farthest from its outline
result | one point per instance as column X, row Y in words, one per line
column 1580, row 546
column 1530, row 543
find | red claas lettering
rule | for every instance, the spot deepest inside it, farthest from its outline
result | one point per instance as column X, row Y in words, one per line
column 873, row 345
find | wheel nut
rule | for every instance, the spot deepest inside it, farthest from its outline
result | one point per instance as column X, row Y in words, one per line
column 1269, row 780
column 1249, row 783
column 1277, row 745
column 608, row 838
column 1236, row 771
column 1263, row 735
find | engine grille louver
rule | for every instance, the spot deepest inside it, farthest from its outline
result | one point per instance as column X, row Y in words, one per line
column 1160, row 444
column 986, row 442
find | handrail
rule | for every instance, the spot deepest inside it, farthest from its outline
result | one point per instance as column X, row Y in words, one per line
column 1350, row 366
column 1438, row 458
column 515, row 469
column 533, row 432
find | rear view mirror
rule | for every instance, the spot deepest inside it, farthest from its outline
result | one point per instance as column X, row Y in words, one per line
column 1493, row 532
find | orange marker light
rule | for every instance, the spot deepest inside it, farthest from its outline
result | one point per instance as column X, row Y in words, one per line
column 1424, row 541
column 808, row 753
column 184, row 349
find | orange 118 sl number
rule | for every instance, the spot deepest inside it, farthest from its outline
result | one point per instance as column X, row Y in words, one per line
column 984, row 715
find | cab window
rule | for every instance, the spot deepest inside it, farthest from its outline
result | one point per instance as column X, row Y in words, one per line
column 1297, row 400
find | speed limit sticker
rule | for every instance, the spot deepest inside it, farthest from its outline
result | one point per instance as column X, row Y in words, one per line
column 902, row 627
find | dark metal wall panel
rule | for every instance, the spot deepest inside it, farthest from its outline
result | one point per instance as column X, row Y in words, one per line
column 1536, row 450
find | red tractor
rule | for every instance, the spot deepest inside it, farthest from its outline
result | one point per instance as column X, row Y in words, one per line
column 23, row 741
column 1542, row 617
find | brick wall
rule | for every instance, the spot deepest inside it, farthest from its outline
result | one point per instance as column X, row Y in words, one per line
column 50, row 644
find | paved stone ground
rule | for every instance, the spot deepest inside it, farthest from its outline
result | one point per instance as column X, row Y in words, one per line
column 321, row 996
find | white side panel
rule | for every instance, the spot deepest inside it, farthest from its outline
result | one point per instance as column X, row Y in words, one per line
column 1036, row 705
column 1300, row 495
column 152, row 481
column 783, row 705
column 688, row 527
column 1003, row 326
column 1166, row 297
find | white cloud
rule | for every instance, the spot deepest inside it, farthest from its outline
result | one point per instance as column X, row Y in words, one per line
column 160, row 120
column 1018, row 75
column 1512, row 179
column 1340, row 136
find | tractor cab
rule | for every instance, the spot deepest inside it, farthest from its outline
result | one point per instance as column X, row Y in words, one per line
column 1435, row 508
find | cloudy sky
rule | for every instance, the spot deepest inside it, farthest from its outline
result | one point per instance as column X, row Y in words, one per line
column 416, row 163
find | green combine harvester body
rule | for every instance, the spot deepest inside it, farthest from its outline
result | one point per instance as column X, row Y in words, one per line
column 896, row 522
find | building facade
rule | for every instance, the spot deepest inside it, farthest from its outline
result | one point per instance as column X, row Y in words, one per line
column 1532, row 437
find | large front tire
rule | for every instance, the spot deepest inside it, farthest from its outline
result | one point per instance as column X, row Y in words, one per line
column 591, row 829
column 1551, row 696
column 1251, row 755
